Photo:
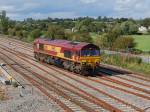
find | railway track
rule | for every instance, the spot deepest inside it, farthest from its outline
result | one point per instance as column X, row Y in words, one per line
column 27, row 45
column 13, row 45
column 98, row 81
column 123, row 106
column 68, row 94
column 116, row 73
column 127, row 72
column 143, row 96
column 102, row 103
column 82, row 82
column 114, row 80
column 44, row 91
column 134, row 108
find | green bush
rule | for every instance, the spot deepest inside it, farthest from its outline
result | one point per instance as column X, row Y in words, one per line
column 25, row 33
column 124, row 42
column 136, row 51
column 55, row 32
column 19, row 34
column 82, row 37
column 11, row 32
column 33, row 35
column 29, row 39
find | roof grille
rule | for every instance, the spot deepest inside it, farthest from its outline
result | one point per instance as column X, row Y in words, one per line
column 74, row 43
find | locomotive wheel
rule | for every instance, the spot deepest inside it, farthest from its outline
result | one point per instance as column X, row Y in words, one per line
column 84, row 71
column 72, row 67
column 92, row 73
column 77, row 68
column 36, row 56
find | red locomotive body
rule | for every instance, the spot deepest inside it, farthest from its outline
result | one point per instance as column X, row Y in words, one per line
column 79, row 57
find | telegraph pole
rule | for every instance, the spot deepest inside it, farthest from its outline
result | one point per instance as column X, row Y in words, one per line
column 3, row 21
column 0, row 21
column 2, row 13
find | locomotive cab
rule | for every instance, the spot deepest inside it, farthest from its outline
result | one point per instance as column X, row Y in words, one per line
column 90, row 57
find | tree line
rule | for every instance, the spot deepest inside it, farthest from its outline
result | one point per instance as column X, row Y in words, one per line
column 112, row 33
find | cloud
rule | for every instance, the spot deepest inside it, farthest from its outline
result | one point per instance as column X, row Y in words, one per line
column 7, row 7
column 39, row 15
column 88, row 1
column 20, row 9
column 132, row 8
column 128, row 5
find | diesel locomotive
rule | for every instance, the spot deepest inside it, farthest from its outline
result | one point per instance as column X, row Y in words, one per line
column 78, row 57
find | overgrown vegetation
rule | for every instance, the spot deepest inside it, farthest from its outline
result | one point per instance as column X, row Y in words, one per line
column 2, row 95
column 110, row 31
column 132, row 63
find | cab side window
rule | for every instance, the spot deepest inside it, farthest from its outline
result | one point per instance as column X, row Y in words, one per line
column 41, row 47
column 77, row 53
column 67, row 54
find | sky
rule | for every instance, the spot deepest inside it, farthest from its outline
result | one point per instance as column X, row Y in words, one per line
column 41, row 9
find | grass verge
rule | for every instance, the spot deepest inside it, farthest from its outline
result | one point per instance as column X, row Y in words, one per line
column 131, row 63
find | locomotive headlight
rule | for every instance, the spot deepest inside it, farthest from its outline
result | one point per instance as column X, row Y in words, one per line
column 83, row 61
